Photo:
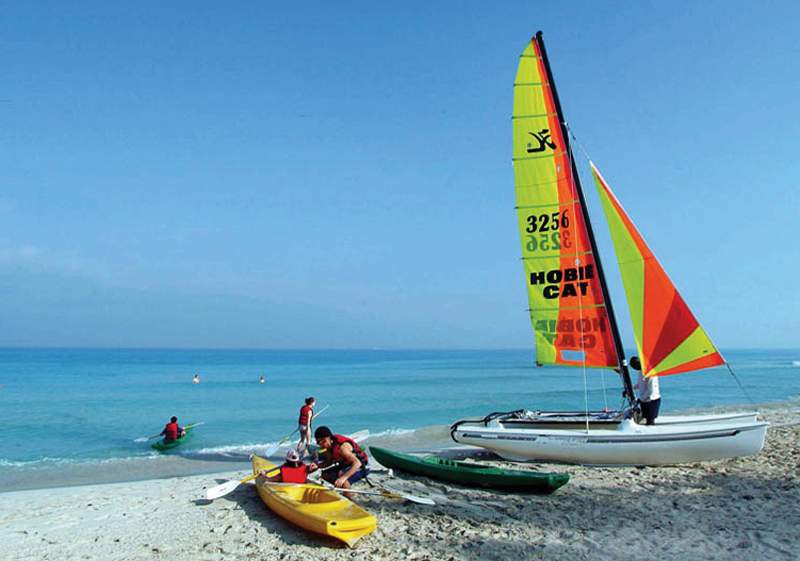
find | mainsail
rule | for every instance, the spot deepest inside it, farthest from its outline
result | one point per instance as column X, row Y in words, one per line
column 567, row 305
column 668, row 337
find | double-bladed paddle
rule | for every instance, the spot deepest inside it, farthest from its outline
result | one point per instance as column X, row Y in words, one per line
column 383, row 493
column 146, row 438
column 228, row 487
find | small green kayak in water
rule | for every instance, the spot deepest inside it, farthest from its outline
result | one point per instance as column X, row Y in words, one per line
column 162, row 446
column 470, row 474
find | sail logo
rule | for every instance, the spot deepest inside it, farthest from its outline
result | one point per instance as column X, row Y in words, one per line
column 583, row 333
column 575, row 280
column 543, row 137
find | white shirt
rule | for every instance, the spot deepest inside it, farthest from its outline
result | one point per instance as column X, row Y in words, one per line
column 647, row 388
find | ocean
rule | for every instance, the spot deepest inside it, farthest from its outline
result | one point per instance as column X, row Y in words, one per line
column 74, row 416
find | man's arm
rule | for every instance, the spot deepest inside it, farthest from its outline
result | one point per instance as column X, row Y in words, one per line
column 355, row 464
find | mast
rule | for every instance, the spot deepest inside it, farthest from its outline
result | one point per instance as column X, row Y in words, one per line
column 623, row 363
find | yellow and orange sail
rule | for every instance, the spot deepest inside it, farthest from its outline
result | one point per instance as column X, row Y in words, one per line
column 668, row 337
column 568, row 310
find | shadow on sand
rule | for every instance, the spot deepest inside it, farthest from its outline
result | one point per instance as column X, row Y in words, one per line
column 248, row 500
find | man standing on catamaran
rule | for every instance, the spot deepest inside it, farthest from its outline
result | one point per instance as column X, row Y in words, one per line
column 649, row 394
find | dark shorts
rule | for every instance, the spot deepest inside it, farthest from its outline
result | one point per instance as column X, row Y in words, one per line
column 650, row 410
column 333, row 474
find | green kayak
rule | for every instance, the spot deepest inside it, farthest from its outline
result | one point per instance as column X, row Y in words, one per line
column 162, row 446
column 471, row 474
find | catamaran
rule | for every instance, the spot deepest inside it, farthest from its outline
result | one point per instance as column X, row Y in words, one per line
column 573, row 318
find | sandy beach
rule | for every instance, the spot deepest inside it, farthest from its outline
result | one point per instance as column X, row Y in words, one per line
column 744, row 508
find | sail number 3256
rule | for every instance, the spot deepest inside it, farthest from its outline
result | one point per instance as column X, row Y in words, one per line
column 545, row 228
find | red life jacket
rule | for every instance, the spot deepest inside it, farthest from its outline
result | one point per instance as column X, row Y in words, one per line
column 305, row 415
column 338, row 440
column 171, row 431
column 294, row 474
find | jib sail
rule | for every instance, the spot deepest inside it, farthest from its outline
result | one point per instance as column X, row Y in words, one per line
column 668, row 337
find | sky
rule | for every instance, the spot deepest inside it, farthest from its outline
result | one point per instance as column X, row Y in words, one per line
column 260, row 175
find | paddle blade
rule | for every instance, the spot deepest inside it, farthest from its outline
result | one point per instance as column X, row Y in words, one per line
column 272, row 450
column 221, row 490
column 418, row 500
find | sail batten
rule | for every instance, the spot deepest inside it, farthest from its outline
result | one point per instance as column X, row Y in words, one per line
column 668, row 337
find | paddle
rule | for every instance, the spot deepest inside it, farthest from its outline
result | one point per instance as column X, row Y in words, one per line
column 383, row 493
column 274, row 448
column 228, row 487
column 146, row 438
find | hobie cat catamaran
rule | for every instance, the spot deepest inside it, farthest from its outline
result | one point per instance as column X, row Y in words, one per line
column 572, row 315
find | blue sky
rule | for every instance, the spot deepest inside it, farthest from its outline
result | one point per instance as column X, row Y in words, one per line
column 328, row 176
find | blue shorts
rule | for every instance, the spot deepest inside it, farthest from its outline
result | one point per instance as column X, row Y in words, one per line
column 357, row 476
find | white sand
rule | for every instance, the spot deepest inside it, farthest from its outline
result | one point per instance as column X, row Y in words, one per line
column 742, row 509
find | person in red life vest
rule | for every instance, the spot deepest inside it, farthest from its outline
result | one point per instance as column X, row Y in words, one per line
column 346, row 454
column 304, row 424
column 293, row 470
column 172, row 431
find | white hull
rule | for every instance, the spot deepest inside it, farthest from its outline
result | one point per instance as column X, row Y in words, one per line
column 684, row 439
column 612, row 417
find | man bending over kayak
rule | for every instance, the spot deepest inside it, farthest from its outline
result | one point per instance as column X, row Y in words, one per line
column 173, row 430
column 346, row 454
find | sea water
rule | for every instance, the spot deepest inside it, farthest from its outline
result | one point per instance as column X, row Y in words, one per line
column 76, row 416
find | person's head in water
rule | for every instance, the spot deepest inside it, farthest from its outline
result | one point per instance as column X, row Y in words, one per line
column 324, row 437
column 635, row 364
column 173, row 419
column 310, row 401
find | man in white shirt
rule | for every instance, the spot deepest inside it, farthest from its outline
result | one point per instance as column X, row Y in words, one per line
column 649, row 394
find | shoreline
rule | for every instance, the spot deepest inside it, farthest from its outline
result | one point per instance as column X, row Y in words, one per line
column 743, row 508
column 430, row 439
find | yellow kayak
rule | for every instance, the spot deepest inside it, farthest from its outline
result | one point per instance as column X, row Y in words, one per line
column 314, row 507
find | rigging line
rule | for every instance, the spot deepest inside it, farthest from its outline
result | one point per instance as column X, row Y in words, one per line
column 741, row 387
column 580, row 311
column 578, row 144
column 586, row 155
column 603, row 382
